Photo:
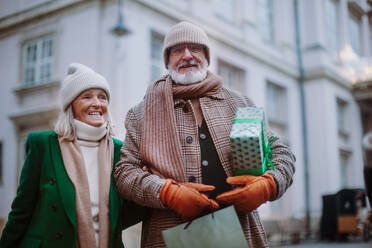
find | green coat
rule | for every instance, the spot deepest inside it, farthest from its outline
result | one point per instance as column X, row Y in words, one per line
column 43, row 212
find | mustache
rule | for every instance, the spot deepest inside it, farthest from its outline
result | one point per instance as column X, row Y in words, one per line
column 188, row 63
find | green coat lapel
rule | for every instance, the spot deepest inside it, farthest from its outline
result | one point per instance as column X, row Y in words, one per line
column 67, row 191
column 114, row 199
column 65, row 187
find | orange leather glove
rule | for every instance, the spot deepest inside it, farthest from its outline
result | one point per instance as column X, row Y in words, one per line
column 257, row 190
column 186, row 199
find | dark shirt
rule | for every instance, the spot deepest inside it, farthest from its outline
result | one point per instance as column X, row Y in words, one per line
column 212, row 170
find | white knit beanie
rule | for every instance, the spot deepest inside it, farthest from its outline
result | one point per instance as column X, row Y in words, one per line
column 184, row 32
column 79, row 78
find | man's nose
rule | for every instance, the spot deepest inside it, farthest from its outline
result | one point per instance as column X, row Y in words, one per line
column 187, row 54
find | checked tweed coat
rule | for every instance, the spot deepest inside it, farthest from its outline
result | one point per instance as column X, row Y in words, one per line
column 136, row 182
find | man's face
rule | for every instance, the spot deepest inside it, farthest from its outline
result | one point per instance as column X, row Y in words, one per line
column 186, row 57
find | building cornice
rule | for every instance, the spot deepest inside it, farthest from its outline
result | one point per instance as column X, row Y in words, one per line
column 17, row 20
column 363, row 90
column 34, row 116
column 329, row 73
column 24, row 90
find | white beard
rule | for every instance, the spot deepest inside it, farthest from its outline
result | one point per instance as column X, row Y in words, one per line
column 189, row 77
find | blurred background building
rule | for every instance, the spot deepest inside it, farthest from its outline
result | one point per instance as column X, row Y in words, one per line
column 308, row 63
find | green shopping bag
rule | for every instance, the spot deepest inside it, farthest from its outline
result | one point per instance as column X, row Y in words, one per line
column 219, row 229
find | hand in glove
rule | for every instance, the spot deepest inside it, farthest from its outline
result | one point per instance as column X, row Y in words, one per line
column 257, row 190
column 186, row 199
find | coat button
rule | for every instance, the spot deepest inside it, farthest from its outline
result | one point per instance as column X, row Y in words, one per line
column 52, row 181
column 54, row 207
column 205, row 163
column 192, row 179
column 202, row 136
column 186, row 109
column 189, row 139
column 59, row 235
column 96, row 218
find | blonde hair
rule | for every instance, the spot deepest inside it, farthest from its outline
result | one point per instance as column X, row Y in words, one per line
column 65, row 127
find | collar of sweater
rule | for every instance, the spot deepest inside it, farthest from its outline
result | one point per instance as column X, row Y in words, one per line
column 85, row 132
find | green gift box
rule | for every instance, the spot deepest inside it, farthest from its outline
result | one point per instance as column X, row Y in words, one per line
column 219, row 229
column 249, row 145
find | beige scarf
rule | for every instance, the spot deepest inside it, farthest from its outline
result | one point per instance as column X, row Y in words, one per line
column 160, row 145
column 74, row 164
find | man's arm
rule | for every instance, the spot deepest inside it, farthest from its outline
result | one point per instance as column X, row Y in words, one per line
column 132, row 181
column 283, row 161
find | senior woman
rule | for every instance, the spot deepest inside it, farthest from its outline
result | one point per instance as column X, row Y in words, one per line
column 67, row 196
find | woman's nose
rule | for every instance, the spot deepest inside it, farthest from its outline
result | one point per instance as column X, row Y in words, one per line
column 95, row 101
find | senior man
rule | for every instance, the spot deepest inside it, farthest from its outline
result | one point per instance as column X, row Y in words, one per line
column 177, row 157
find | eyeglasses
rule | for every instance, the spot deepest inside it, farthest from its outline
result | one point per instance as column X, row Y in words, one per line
column 195, row 49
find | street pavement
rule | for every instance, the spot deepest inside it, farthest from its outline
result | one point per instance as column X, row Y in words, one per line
column 331, row 245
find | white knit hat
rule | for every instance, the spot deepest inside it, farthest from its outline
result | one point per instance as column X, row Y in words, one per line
column 79, row 78
column 184, row 32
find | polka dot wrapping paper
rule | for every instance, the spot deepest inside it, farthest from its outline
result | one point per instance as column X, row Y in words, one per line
column 248, row 139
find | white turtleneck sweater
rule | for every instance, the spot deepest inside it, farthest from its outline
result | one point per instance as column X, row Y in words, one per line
column 88, row 138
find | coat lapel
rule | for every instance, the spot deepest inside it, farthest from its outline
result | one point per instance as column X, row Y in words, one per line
column 65, row 187
column 113, row 198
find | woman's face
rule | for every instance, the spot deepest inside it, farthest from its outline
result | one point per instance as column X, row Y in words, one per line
column 91, row 107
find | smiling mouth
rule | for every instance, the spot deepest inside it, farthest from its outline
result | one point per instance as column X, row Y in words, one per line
column 95, row 113
column 187, row 66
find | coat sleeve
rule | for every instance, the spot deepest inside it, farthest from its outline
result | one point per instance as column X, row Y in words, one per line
column 283, row 161
column 27, row 193
column 134, row 183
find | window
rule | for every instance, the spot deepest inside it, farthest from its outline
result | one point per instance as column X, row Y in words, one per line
column 1, row 162
column 38, row 57
column 157, row 63
column 355, row 33
column 266, row 23
column 331, row 25
column 225, row 9
column 342, row 117
column 233, row 77
column 277, row 110
column 345, row 172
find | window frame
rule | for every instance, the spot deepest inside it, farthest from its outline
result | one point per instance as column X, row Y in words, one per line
column 218, row 4
column 268, row 8
column 280, row 124
column 342, row 120
column 156, row 62
column 332, row 32
column 238, row 72
column 42, row 66
column 354, row 16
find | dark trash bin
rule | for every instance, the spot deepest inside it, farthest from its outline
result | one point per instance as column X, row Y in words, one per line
column 343, row 203
column 347, row 201
column 368, row 183
column 328, row 228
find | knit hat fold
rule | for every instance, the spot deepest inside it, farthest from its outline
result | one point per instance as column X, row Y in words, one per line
column 185, row 32
column 80, row 78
